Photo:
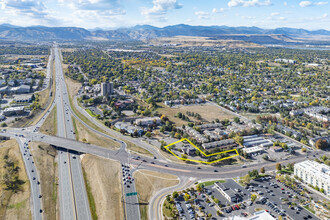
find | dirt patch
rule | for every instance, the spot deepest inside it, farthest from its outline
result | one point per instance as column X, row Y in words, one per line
column 85, row 135
column 44, row 158
column 153, row 181
column 50, row 125
column 104, row 179
column 208, row 112
column 14, row 205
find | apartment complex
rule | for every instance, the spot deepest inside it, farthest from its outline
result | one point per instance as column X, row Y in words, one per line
column 314, row 173
column 106, row 88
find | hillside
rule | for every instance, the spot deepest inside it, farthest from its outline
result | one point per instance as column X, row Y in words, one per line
column 147, row 32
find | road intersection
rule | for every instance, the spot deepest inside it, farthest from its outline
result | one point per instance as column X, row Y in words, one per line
column 73, row 198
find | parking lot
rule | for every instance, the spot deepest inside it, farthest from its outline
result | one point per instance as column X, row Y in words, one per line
column 203, row 203
column 279, row 199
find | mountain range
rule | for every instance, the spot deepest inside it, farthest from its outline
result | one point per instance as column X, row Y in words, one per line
column 147, row 32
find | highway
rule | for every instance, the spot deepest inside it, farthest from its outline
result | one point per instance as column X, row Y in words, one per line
column 72, row 193
column 73, row 197
column 33, row 176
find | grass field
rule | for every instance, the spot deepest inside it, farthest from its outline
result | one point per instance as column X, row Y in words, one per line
column 90, row 112
column 210, row 183
column 14, row 205
column 137, row 149
column 208, row 112
column 44, row 157
column 104, row 178
column 153, row 181
column 50, row 125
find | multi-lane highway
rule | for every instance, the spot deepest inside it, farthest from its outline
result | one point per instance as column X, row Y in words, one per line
column 73, row 197
column 72, row 194
column 33, row 176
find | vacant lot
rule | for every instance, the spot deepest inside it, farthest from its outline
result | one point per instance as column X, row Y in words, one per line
column 153, row 182
column 14, row 205
column 50, row 124
column 103, row 177
column 85, row 135
column 44, row 157
column 208, row 112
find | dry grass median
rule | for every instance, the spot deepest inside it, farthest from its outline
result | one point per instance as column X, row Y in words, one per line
column 50, row 125
column 44, row 158
column 104, row 179
column 148, row 183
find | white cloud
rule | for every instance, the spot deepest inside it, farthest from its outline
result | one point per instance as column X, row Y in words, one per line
column 321, row 3
column 248, row 17
column 202, row 14
column 305, row 3
column 285, row 3
column 309, row 3
column 248, row 3
column 27, row 12
column 161, row 7
column 274, row 14
column 220, row 10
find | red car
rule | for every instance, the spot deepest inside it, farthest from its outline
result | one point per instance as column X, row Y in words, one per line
column 237, row 207
column 282, row 189
column 233, row 207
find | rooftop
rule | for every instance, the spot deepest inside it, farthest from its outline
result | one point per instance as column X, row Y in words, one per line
column 318, row 169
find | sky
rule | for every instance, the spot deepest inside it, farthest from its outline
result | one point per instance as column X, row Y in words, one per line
column 110, row 14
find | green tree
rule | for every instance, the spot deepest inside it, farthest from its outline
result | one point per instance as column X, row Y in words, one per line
column 253, row 197
column 175, row 194
column 236, row 119
column 148, row 134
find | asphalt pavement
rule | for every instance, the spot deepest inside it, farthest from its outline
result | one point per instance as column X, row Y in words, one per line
column 73, row 196
column 33, row 176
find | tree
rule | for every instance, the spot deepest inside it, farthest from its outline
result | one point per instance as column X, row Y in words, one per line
column 262, row 170
column 199, row 187
column 321, row 144
column 246, row 179
column 186, row 197
column 239, row 139
column 265, row 157
column 303, row 150
column 278, row 166
column 236, row 119
column 253, row 173
column 253, row 197
column 175, row 194
column 148, row 134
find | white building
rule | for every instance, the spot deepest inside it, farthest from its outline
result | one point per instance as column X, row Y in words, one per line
column 314, row 173
column 148, row 121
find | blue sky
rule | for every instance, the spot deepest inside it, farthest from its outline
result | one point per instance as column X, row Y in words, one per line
column 126, row 13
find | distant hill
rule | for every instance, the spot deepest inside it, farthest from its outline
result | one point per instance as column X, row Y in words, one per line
column 147, row 32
